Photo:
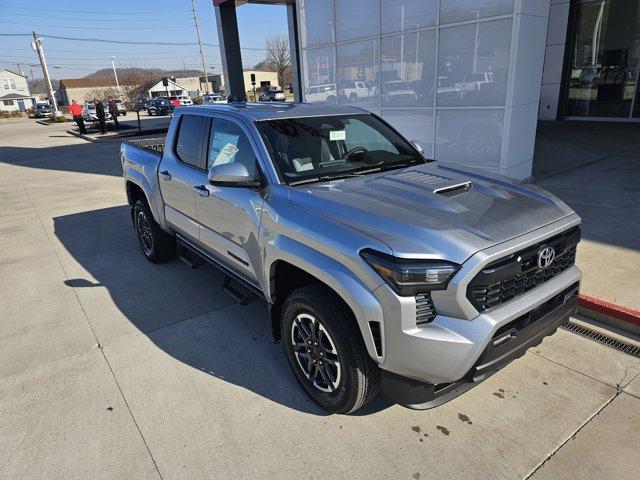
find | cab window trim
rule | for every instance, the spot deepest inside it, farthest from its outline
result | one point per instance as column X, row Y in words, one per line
column 201, row 167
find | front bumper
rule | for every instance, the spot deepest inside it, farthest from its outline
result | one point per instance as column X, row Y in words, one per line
column 507, row 343
column 447, row 349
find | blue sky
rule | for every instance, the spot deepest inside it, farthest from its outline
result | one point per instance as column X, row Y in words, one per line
column 127, row 20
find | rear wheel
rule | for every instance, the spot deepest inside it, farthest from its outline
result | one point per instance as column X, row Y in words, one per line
column 157, row 245
column 326, row 352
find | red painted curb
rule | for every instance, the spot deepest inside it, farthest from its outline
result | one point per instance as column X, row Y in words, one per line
column 610, row 309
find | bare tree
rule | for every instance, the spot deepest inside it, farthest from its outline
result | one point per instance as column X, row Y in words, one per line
column 279, row 56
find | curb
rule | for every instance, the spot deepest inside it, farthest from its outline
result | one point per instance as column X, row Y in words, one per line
column 617, row 315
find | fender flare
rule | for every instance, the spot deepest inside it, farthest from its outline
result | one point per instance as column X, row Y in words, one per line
column 336, row 276
column 138, row 179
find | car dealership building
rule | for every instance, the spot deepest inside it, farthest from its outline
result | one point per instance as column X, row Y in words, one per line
column 467, row 79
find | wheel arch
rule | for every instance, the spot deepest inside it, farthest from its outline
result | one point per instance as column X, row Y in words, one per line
column 296, row 265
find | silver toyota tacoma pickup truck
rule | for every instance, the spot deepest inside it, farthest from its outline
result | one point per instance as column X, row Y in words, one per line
column 383, row 270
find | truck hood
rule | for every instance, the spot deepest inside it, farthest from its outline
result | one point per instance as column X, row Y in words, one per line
column 433, row 210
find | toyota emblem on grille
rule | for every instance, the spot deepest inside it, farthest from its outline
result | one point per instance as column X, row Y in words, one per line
column 546, row 257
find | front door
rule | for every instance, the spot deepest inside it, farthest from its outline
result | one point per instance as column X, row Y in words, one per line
column 21, row 106
column 229, row 217
column 180, row 169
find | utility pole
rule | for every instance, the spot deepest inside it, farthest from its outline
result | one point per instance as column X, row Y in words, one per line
column 115, row 74
column 204, row 65
column 37, row 46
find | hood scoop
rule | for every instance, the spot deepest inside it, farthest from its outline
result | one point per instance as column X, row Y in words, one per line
column 438, row 184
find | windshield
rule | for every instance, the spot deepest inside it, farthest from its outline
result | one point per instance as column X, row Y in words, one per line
column 322, row 148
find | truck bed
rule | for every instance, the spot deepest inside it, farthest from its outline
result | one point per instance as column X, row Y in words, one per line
column 155, row 144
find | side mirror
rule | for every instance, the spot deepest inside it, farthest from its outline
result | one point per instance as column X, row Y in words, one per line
column 418, row 147
column 231, row 175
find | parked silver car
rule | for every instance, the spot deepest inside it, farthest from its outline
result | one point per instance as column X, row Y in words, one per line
column 383, row 270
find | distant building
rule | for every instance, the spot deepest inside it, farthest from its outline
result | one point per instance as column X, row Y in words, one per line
column 155, row 88
column 83, row 89
column 14, row 92
column 265, row 80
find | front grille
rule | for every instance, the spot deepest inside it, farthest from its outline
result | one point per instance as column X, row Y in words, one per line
column 425, row 311
column 518, row 273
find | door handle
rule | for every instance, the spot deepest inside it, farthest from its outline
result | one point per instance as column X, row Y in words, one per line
column 201, row 190
column 166, row 175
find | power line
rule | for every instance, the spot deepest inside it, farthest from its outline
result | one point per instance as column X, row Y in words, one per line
column 125, row 42
column 91, row 27
column 129, row 12
column 92, row 19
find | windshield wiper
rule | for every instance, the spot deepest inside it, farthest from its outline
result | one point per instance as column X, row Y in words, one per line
column 324, row 178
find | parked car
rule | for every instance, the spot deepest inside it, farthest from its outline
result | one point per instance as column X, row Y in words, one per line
column 89, row 112
column 185, row 100
column 398, row 92
column 383, row 270
column 353, row 91
column 42, row 110
column 140, row 104
column 213, row 98
column 122, row 109
column 325, row 93
column 272, row 96
column 175, row 102
column 159, row 106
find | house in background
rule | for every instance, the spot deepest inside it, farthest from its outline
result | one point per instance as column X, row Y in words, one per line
column 14, row 92
column 83, row 89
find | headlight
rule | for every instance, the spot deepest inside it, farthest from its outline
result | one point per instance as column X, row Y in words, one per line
column 409, row 276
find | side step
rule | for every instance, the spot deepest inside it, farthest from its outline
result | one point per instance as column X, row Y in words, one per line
column 192, row 259
column 238, row 292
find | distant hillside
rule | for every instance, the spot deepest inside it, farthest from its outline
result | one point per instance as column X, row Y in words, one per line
column 147, row 72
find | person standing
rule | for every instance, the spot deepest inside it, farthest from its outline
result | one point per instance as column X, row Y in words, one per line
column 113, row 110
column 76, row 112
column 100, row 113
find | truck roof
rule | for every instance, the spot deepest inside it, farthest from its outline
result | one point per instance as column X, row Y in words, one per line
column 271, row 111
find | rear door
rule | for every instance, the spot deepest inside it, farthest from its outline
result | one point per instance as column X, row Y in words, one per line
column 181, row 168
column 229, row 217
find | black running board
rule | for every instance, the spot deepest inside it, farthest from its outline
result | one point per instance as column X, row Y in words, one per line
column 239, row 292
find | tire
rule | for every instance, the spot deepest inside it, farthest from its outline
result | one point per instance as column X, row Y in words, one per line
column 349, row 377
column 157, row 245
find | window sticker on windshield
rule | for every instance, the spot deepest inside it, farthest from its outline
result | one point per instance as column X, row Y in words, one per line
column 335, row 135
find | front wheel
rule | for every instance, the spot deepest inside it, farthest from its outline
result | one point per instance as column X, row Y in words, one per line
column 157, row 245
column 326, row 352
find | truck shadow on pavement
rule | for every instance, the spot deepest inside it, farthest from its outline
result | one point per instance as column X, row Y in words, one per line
column 85, row 157
column 181, row 311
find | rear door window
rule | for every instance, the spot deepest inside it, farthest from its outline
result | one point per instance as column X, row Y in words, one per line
column 189, row 139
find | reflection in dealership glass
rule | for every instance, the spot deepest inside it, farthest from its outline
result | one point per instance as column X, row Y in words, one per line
column 398, row 92
column 321, row 93
column 354, row 91
column 447, row 89
column 474, row 139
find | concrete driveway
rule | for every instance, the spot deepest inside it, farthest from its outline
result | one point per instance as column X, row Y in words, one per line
column 111, row 367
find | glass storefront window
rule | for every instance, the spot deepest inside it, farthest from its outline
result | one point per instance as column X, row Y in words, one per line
column 415, row 124
column 603, row 68
column 403, row 15
column 471, row 137
column 320, row 75
column 461, row 10
column 316, row 22
column 407, row 69
column 473, row 63
column 358, row 74
column 356, row 19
